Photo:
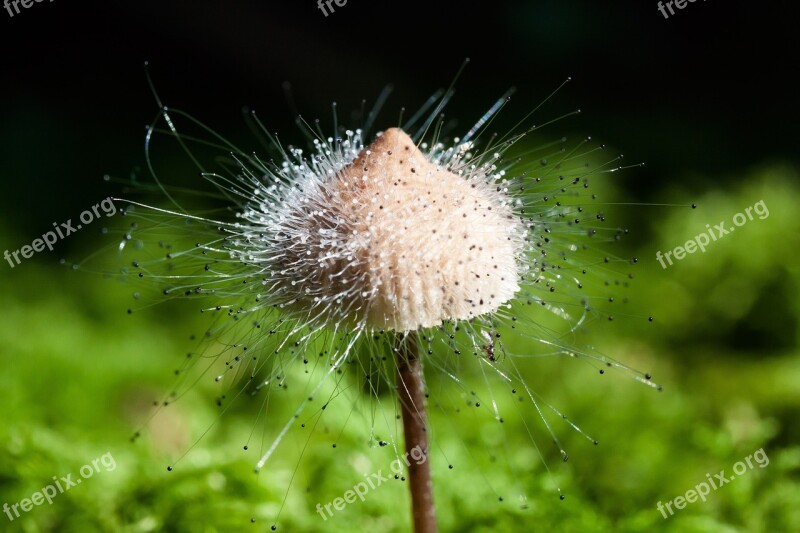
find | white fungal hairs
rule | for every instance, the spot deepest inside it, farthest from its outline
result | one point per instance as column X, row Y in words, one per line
column 393, row 239
column 319, row 262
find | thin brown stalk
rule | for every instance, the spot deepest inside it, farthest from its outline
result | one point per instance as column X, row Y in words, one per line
column 411, row 390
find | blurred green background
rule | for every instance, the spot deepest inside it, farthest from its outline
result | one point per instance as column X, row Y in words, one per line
column 79, row 374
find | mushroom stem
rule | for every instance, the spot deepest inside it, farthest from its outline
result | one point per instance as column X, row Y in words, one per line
column 411, row 390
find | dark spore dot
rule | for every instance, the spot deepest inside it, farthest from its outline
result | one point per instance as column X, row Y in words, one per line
column 169, row 469
column 602, row 371
column 562, row 497
column 647, row 376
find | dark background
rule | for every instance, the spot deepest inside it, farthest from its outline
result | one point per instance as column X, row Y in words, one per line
column 708, row 91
